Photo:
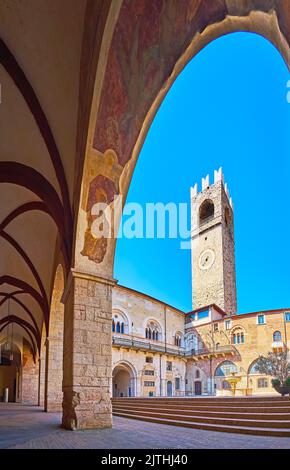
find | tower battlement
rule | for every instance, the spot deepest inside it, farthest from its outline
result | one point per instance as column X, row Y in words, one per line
column 218, row 177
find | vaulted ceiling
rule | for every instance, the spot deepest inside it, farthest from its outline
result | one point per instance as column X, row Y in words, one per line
column 40, row 52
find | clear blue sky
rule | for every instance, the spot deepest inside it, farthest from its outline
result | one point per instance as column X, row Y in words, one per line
column 227, row 108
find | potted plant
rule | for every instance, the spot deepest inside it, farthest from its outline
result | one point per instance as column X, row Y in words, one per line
column 276, row 365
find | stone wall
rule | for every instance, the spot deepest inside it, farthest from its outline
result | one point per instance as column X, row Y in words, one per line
column 258, row 339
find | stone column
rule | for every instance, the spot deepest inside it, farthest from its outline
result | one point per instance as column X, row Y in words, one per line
column 42, row 360
column 30, row 378
column 41, row 381
column 54, row 348
column 87, row 360
column 53, row 374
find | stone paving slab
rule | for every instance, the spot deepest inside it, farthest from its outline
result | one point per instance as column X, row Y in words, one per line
column 26, row 427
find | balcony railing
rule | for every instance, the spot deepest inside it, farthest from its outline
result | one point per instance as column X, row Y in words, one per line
column 223, row 349
column 147, row 346
column 170, row 350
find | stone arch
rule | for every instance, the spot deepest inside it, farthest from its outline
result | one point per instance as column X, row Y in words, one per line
column 54, row 346
column 117, row 154
column 256, row 381
column 252, row 367
column 225, row 368
column 112, row 137
column 124, row 380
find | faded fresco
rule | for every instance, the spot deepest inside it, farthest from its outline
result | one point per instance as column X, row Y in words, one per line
column 149, row 38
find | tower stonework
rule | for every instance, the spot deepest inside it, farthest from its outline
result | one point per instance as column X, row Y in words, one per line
column 212, row 246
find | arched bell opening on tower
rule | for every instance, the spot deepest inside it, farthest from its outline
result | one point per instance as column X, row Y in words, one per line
column 206, row 211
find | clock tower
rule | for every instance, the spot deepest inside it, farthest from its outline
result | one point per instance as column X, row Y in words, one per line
column 212, row 246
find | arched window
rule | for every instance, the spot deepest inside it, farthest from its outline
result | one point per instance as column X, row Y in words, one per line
column 277, row 336
column 253, row 369
column 121, row 322
column 217, row 345
column 197, row 374
column 206, row 211
column 113, row 326
column 152, row 331
column 238, row 335
column 177, row 339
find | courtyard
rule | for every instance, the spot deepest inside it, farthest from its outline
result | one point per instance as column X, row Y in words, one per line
column 28, row 427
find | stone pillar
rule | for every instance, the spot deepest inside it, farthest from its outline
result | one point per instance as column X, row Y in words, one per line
column 41, row 389
column 30, row 377
column 42, row 360
column 87, row 360
column 53, row 373
column 54, row 348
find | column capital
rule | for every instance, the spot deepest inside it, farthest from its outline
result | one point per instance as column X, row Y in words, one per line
column 78, row 274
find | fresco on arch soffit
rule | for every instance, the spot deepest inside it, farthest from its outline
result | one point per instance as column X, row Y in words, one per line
column 149, row 38
column 147, row 42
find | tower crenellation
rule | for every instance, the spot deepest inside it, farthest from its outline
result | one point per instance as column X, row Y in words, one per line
column 212, row 245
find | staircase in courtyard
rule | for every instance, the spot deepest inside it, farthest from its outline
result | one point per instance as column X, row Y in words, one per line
column 260, row 416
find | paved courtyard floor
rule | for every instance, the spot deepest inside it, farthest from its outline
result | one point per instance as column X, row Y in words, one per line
column 29, row 427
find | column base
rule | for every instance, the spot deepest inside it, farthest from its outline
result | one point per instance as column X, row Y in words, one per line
column 81, row 414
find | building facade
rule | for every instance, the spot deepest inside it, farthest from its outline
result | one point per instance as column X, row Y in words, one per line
column 161, row 351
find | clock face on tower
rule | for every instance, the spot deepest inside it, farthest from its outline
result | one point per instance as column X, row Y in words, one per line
column 206, row 259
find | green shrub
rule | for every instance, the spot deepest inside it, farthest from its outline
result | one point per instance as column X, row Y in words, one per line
column 287, row 382
column 276, row 382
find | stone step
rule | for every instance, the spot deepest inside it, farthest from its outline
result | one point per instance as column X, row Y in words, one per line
column 269, row 414
column 212, row 420
column 234, row 404
column 242, row 409
column 206, row 400
column 262, row 431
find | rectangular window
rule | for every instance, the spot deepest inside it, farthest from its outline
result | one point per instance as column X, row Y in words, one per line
column 202, row 314
column 261, row 320
column 149, row 359
column 228, row 324
column 177, row 383
column 215, row 327
column 287, row 316
column 168, row 365
column 149, row 372
column 262, row 383
column 149, row 384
